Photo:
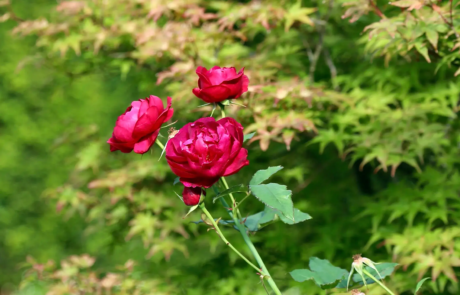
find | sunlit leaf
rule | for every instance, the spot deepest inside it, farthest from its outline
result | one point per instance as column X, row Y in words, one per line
column 297, row 13
column 262, row 175
column 275, row 196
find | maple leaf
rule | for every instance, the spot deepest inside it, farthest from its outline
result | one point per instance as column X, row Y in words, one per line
column 296, row 13
column 409, row 4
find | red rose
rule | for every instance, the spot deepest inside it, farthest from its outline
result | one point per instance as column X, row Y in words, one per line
column 205, row 150
column 192, row 195
column 219, row 84
column 139, row 125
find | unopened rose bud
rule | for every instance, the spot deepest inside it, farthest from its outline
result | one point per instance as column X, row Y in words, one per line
column 192, row 195
column 357, row 292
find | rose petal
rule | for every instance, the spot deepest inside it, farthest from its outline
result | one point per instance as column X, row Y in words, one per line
column 147, row 123
column 144, row 144
column 198, row 182
column 217, row 75
column 157, row 102
column 239, row 162
column 215, row 93
column 125, row 123
column 144, row 107
column 120, row 146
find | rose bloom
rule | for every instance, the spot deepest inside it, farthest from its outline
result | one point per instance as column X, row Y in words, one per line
column 192, row 195
column 138, row 127
column 219, row 84
column 205, row 150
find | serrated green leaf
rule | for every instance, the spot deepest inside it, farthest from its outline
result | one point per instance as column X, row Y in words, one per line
column 275, row 196
column 419, row 284
column 262, row 175
column 259, row 220
column 299, row 216
column 241, row 188
column 322, row 272
column 248, row 136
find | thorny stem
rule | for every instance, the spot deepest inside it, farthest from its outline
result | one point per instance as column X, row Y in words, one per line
column 233, row 206
column 244, row 234
column 249, row 243
column 219, row 232
column 378, row 282
column 160, row 144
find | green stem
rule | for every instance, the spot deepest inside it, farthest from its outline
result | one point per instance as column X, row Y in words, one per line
column 237, row 212
column 249, row 243
column 160, row 144
column 242, row 200
column 213, row 222
column 378, row 282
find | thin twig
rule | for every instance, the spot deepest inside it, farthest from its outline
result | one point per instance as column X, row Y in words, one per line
column 332, row 68
column 452, row 21
column 377, row 9
column 314, row 56
column 450, row 24
column 13, row 15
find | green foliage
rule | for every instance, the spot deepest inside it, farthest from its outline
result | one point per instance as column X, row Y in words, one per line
column 263, row 175
column 328, row 276
column 384, row 270
column 361, row 115
column 322, row 272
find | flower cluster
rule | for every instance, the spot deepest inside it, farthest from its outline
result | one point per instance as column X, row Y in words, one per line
column 201, row 152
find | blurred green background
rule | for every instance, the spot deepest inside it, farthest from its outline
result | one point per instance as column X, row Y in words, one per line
column 364, row 123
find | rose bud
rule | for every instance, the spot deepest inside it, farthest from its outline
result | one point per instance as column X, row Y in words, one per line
column 192, row 195
column 205, row 150
column 138, row 127
column 219, row 84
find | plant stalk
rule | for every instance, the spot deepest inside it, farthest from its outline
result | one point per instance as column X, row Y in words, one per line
column 160, row 144
column 378, row 282
column 244, row 234
column 248, row 241
column 219, row 232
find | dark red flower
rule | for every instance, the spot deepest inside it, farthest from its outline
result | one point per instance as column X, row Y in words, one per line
column 192, row 195
column 205, row 150
column 219, row 84
column 139, row 125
